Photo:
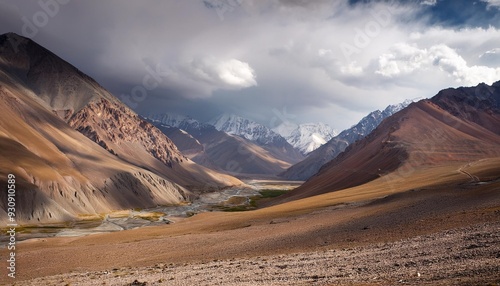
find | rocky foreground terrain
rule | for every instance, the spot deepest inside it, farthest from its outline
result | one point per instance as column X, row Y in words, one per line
column 462, row 256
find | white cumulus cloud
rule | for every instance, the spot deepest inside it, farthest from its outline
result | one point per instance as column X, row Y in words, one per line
column 207, row 74
column 236, row 73
column 429, row 2
column 405, row 59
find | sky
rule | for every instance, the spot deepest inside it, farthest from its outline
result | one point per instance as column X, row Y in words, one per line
column 271, row 61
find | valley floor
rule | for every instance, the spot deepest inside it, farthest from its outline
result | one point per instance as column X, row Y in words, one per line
column 461, row 256
column 438, row 223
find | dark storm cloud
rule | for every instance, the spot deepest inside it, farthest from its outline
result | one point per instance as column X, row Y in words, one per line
column 331, row 61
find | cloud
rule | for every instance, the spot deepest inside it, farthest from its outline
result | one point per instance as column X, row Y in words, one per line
column 428, row 2
column 490, row 58
column 217, row 74
column 405, row 60
column 235, row 73
column 265, row 55
column 492, row 3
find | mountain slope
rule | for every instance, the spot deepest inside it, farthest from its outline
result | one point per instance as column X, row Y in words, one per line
column 259, row 134
column 61, row 174
column 185, row 142
column 422, row 135
column 217, row 149
column 325, row 153
column 90, row 109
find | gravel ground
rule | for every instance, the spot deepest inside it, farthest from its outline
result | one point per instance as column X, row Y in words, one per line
column 464, row 256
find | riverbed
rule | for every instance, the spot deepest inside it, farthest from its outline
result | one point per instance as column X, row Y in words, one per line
column 232, row 198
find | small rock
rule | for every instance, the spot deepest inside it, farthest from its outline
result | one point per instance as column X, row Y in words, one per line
column 137, row 283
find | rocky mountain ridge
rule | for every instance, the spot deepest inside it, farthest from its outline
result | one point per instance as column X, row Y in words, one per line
column 328, row 151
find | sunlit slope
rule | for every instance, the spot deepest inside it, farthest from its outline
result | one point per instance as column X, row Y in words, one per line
column 90, row 109
column 386, row 209
column 61, row 174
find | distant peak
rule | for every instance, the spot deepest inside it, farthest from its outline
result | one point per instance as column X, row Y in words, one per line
column 397, row 107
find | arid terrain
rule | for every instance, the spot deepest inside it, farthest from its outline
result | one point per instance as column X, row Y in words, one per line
column 463, row 256
column 383, row 232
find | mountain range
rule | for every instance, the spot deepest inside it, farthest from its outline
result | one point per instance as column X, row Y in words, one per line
column 76, row 149
column 454, row 128
column 216, row 149
column 336, row 145
column 259, row 134
column 251, row 130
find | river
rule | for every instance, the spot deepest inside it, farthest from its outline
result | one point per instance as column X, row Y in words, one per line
column 230, row 199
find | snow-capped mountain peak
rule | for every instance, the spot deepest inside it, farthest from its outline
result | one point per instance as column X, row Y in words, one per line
column 306, row 137
column 391, row 109
column 251, row 130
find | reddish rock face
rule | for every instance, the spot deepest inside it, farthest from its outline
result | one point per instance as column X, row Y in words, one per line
column 110, row 124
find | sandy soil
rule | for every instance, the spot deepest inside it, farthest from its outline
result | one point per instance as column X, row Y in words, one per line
column 449, row 228
column 460, row 256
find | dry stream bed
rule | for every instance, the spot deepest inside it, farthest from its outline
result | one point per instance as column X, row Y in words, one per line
column 232, row 199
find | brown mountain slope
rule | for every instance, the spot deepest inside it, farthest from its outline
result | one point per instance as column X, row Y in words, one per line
column 61, row 174
column 244, row 157
column 480, row 104
column 422, row 135
column 90, row 109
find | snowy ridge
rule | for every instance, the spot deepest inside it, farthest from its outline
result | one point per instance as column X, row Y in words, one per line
column 306, row 137
column 371, row 121
column 251, row 130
